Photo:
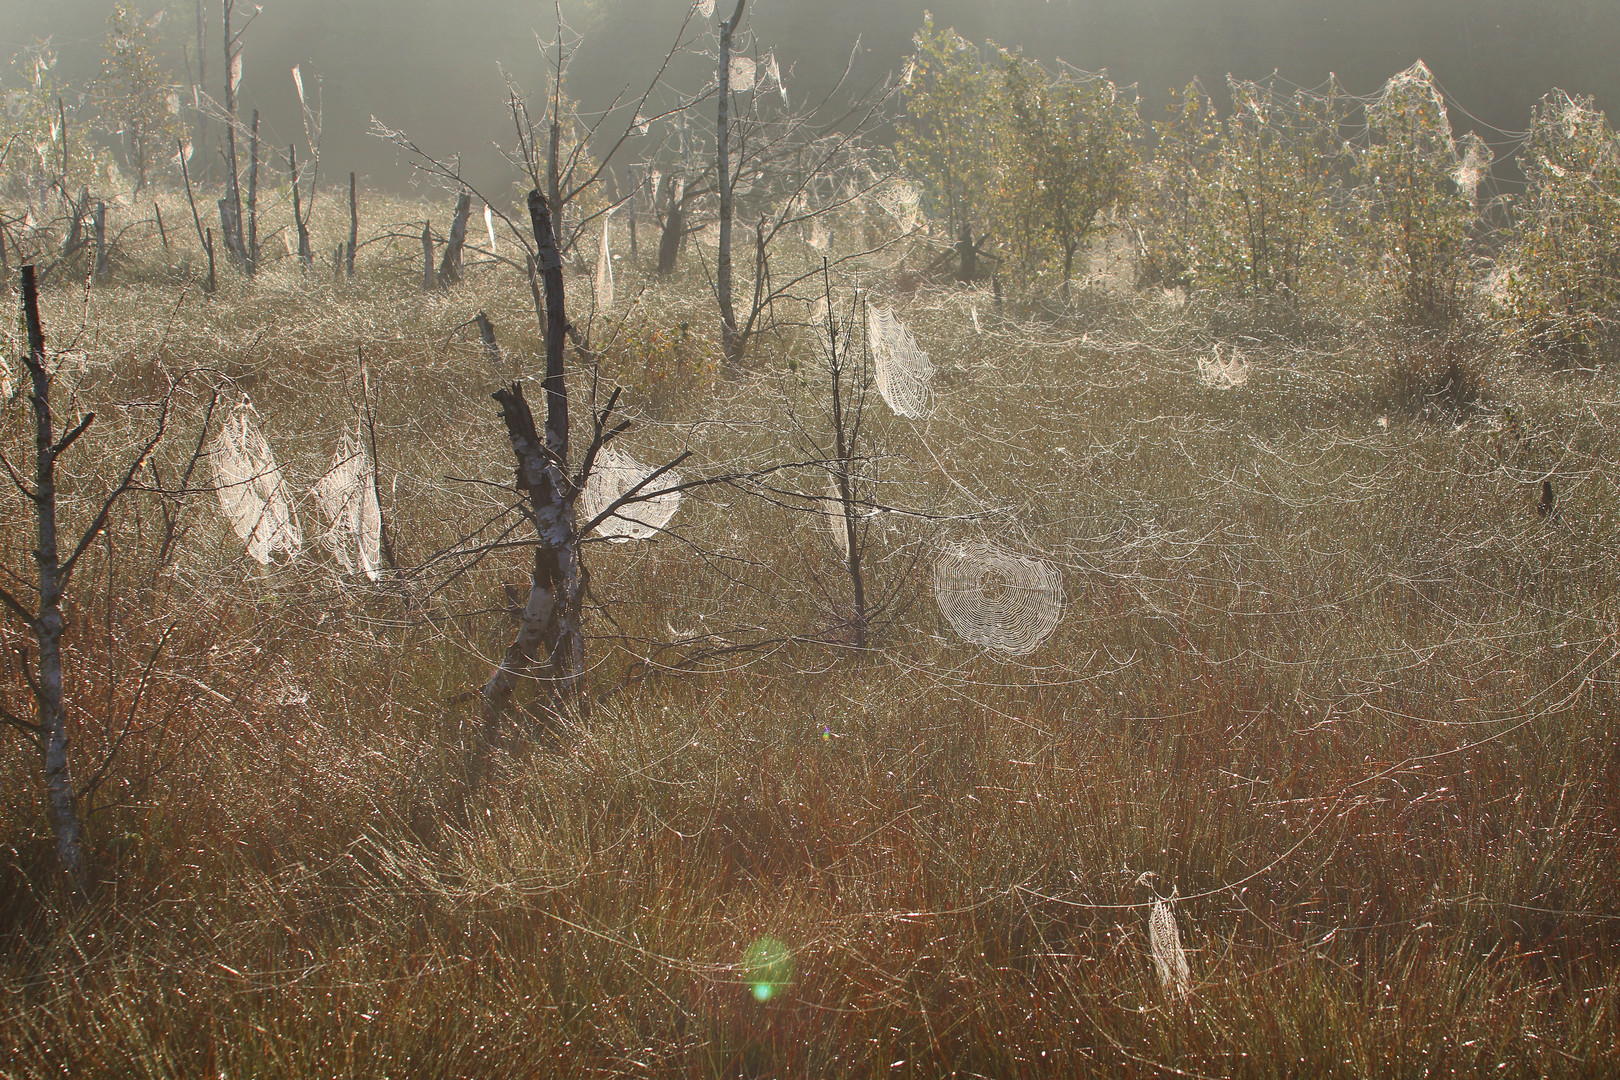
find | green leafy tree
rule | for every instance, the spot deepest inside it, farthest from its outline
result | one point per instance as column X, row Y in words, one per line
column 1561, row 291
column 1272, row 215
column 949, row 141
column 1072, row 155
column 136, row 97
column 42, row 136
column 1421, row 200
column 1167, row 212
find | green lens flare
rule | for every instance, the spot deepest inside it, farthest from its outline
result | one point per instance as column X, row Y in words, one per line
column 767, row 967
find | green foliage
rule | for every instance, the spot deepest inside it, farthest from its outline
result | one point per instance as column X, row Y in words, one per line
column 42, row 134
column 1421, row 200
column 1071, row 156
column 1268, row 228
column 136, row 97
column 1165, row 217
column 950, row 139
column 1561, row 291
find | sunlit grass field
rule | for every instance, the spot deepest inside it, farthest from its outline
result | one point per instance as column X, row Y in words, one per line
column 1325, row 676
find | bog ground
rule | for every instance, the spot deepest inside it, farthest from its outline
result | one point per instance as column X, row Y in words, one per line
column 1324, row 675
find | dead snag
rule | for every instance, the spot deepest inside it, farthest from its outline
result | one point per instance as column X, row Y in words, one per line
column 354, row 228
column 549, row 635
column 427, row 257
column 450, row 265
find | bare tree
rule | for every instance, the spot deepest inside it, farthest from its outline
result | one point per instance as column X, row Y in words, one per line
column 48, row 730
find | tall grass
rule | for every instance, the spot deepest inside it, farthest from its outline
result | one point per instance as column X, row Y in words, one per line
column 1323, row 672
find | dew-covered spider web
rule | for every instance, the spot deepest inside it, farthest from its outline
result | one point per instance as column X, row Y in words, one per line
column 1224, row 372
column 612, row 476
column 1169, row 958
column 743, row 70
column 347, row 499
column 996, row 599
column 251, row 491
column 903, row 371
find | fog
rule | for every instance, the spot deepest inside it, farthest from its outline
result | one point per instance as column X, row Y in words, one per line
column 434, row 69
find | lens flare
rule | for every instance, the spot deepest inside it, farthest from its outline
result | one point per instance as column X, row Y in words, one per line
column 767, row 968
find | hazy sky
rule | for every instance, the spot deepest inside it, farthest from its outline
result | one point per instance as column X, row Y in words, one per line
column 432, row 67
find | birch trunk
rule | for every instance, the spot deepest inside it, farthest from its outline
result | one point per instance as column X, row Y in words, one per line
column 549, row 635
column 51, row 714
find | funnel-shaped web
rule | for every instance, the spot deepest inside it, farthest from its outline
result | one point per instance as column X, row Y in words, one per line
column 347, row 499
column 251, row 491
column 1169, row 958
column 614, row 474
column 1224, row 372
column 903, row 371
column 996, row 599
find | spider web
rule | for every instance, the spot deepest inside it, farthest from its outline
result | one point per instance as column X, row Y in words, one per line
column 996, row 599
column 347, row 498
column 902, row 368
column 251, row 491
column 614, row 474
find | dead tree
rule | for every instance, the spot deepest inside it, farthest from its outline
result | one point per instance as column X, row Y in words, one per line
column 48, row 730
column 234, row 239
column 301, row 214
column 450, row 265
column 428, row 277
column 103, row 271
column 549, row 625
column 354, row 228
column 251, row 248
column 728, row 314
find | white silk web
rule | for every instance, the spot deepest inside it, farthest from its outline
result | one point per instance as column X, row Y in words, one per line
column 902, row 370
column 996, row 599
column 1224, row 372
column 251, row 491
column 612, row 476
column 347, row 498
column 1169, row 958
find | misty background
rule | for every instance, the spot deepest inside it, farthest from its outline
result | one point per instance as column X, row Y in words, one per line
column 434, row 69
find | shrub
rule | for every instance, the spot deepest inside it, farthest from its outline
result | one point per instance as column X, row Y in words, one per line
column 1561, row 288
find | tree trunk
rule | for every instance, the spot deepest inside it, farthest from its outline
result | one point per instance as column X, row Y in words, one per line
column 51, row 714
column 967, row 256
column 549, row 624
column 305, row 255
column 731, row 341
column 251, row 247
column 669, row 241
column 354, row 227
column 846, row 490
column 233, row 240
column 486, row 334
column 450, row 265
column 103, row 272
column 1068, row 270
column 428, row 277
